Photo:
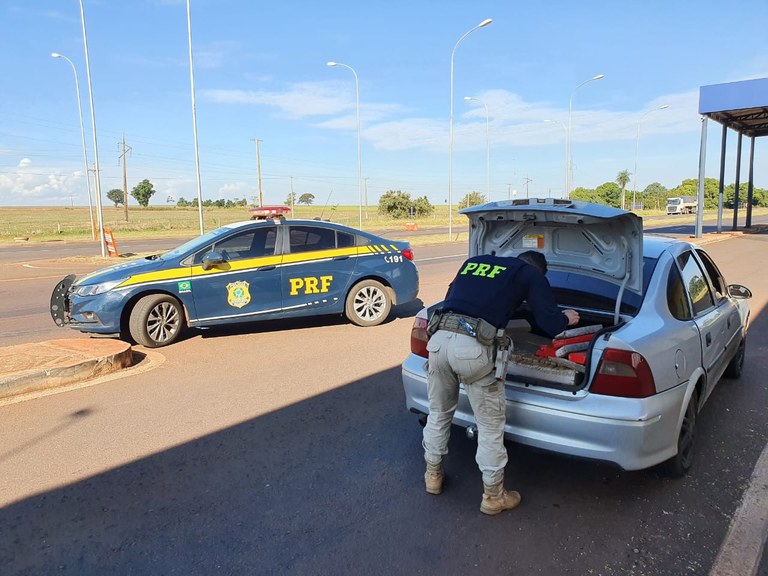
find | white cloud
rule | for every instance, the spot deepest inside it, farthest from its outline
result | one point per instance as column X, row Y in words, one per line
column 513, row 120
column 301, row 100
column 24, row 162
column 234, row 190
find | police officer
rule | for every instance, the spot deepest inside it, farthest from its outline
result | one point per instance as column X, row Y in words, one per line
column 482, row 298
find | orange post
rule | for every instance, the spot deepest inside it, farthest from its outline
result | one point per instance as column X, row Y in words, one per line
column 109, row 241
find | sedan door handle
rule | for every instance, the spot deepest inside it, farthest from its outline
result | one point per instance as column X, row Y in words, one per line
column 265, row 268
column 341, row 257
column 709, row 339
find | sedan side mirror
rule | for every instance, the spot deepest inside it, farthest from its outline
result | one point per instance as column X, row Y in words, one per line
column 212, row 259
column 739, row 291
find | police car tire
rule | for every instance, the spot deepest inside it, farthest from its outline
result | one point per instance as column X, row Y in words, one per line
column 156, row 320
column 368, row 303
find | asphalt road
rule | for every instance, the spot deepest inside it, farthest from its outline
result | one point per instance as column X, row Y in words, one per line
column 285, row 447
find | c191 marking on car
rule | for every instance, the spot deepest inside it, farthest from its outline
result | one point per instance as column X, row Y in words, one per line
column 393, row 259
column 310, row 284
column 238, row 294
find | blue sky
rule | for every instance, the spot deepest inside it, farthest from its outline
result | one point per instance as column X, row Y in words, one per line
column 261, row 73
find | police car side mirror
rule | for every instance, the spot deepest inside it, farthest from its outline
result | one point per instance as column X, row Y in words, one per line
column 212, row 259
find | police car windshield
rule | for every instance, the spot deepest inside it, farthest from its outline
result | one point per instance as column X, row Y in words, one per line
column 196, row 243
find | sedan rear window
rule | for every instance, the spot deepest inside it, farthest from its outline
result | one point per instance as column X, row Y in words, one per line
column 571, row 289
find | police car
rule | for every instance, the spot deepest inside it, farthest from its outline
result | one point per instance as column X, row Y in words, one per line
column 242, row 272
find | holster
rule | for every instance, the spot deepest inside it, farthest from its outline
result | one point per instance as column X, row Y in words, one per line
column 503, row 349
column 433, row 324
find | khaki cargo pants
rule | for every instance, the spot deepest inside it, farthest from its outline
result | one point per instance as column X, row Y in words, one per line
column 459, row 358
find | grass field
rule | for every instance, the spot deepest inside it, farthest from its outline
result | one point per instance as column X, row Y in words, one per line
column 33, row 224
column 73, row 223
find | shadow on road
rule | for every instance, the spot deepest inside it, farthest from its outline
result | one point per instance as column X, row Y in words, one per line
column 333, row 485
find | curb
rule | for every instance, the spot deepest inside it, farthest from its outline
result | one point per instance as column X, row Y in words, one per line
column 32, row 367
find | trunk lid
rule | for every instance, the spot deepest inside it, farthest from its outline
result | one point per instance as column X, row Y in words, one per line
column 575, row 236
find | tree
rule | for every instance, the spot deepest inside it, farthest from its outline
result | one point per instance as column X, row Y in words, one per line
column 423, row 207
column 655, row 195
column 142, row 192
column 306, row 199
column 622, row 178
column 586, row 195
column 690, row 187
column 115, row 195
column 395, row 203
column 471, row 199
column 610, row 194
column 290, row 200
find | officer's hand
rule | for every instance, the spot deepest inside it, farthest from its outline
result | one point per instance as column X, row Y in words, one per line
column 573, row 317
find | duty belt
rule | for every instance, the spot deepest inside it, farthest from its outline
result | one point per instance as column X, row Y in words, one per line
column 483, row 331
column 459, row 323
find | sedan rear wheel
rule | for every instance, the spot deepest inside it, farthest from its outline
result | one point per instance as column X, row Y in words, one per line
column 680, row 464
column 368, row 303
column 156, row 320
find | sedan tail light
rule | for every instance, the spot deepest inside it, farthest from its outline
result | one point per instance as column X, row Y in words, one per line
column 407, row 253
column 419, row 338
column 622, row 373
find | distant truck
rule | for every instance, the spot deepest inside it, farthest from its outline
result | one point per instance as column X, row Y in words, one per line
column 682, row 205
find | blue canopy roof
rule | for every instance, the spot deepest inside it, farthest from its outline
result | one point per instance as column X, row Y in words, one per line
column 741, row 106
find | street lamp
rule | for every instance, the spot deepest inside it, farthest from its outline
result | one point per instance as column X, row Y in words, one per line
column 565, row 190
column 487, row 148
column 570, row 152
column 637, row 147
column 194, row 120
column 82, row 137
column 97, row 175
column 359, row 159
column 482, row 24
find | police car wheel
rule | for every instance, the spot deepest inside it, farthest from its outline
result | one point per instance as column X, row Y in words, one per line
column 156, row 320
column 368, row 303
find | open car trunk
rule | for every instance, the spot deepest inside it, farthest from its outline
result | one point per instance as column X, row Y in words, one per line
column 578, row 239
column 562, row 362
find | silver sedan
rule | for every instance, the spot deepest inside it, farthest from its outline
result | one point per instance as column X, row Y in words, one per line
column 662, row 325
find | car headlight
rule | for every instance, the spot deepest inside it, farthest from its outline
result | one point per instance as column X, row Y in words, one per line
column 93, row 289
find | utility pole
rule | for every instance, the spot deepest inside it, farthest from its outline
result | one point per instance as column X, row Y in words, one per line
column 126, row 149
column 258, row 169
column 293, row 199
column 366, row 197
column 527, row 181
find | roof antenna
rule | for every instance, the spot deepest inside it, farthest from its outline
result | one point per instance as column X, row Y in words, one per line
column 326, row 205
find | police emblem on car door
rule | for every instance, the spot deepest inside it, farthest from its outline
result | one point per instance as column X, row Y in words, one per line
column 242, row 279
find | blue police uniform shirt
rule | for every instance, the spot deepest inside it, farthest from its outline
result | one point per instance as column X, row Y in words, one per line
column 494, row 287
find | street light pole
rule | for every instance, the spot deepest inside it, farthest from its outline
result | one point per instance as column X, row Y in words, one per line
column 487, row 148
column 359, row 158
column 82, row 137
column 565, row 190
column 570, row 152
column 97, row 174
column 194, row 121
column 482, row 24
column 637, row 147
